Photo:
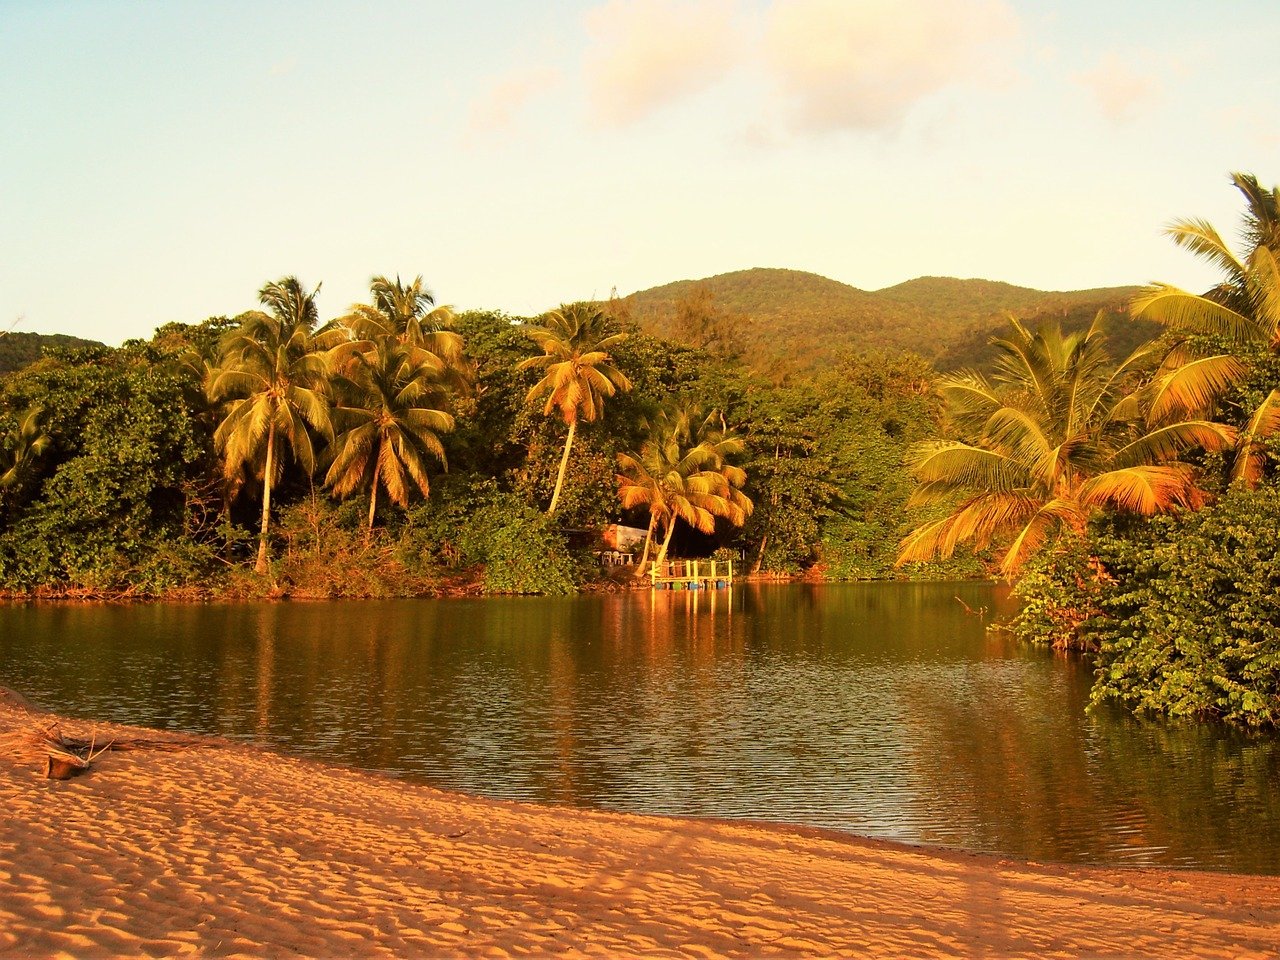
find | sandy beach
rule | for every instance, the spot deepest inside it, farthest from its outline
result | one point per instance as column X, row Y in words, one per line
column 223, row 849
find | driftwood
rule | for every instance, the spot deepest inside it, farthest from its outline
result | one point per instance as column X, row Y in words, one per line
column 62, row 756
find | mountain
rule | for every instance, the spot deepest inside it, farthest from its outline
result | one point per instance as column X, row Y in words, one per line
column 17, row 350
column 789, row 319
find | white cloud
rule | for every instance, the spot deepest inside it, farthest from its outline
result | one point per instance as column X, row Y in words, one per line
column 643, row 54
column 498, row 106
column 863, row 64
column 1121, row 91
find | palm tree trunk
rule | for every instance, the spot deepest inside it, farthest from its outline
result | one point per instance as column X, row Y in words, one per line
column 764, row 542
column 373, row 500
column 648, row 542
column 564, row 462
column 261, row 567
column 662, row 553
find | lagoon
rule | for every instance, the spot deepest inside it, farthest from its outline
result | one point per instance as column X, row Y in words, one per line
column 883, row 709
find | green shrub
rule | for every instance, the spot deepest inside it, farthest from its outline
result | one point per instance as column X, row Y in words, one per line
column 1060, row 591
column 469, row 521
column 325, row 553
column 1192, row 620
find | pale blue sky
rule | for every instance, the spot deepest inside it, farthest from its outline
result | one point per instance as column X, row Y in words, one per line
column 160, row 161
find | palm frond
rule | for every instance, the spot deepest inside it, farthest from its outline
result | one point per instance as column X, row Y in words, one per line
column 1263, row 423
column 1173, row 441
column 1202, row 239
column 1142, row 489
column 1191, row 313
column 963, row 465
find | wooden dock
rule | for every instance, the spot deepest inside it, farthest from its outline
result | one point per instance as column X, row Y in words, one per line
column 691, row 574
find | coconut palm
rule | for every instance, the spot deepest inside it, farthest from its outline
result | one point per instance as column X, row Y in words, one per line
column 277, row 383
column 409, row 314
column 575, row 342
column 1220, row 333
column 391, row 421
column 681, row 473
column 25, row 444
column 1058, row 433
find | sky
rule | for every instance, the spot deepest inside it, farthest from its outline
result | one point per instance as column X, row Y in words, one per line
column 162, row 161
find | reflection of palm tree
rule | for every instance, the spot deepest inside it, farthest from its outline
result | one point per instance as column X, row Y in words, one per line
column 984, row 755
column 1242, row 314
column 575, row 342
column 1058, row 434
column 268, row 626
column 279, row 383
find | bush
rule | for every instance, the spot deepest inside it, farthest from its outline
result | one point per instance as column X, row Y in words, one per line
column 473, row 522
column 1060, row 592
column 325, row 554
column 111, row 497
column 1192, row 621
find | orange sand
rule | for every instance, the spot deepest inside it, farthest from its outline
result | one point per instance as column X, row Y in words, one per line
column 225, row 849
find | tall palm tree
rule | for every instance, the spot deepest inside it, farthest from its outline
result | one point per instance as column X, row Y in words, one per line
column 1220, row 333
column 25, row 444
column 408, row 313
column 681, row 473
column 575, row 342
column 391, row 424
column 277, row 384
column 1057, row 434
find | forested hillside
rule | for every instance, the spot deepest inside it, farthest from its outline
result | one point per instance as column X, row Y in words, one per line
column 786, row 320
column 17, row 350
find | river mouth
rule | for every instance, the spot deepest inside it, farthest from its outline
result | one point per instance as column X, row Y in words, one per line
column 881, row 709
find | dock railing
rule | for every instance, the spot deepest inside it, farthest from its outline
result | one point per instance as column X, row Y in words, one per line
column 691, row 574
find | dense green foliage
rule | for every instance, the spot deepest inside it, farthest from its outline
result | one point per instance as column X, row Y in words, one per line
column 782, row 321
column 470, row 520
column 1187, row 620
column 117, row 493
column 781, row 426
column 130, row 494
column 1182, row 610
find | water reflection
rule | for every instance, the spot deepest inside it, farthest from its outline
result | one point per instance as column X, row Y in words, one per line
column 884, row 709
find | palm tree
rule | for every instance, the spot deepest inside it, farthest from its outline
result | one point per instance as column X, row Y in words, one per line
column 1057, row 434
column 408, row 314
column 392, row 425
column 1222, row 332
column 26, row 443
column 277, row 384
column 575, row 342
column 681, row 473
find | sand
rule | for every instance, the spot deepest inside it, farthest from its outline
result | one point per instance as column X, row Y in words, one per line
column 223, row 849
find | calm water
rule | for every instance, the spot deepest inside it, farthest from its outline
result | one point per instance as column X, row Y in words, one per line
column 882, row 709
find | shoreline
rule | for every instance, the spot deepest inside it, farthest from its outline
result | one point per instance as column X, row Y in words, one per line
column 459, row 589
column 226, row 848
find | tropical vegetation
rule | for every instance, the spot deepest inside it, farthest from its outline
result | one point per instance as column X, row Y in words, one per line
column 274, row 381
column 1179, row 611
column 1120, row 470
column 575, row 341
column 1058, row 434
column 682, row 472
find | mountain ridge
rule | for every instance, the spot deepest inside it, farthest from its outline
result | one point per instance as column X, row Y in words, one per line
column 19, row 348
column 796, row 320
